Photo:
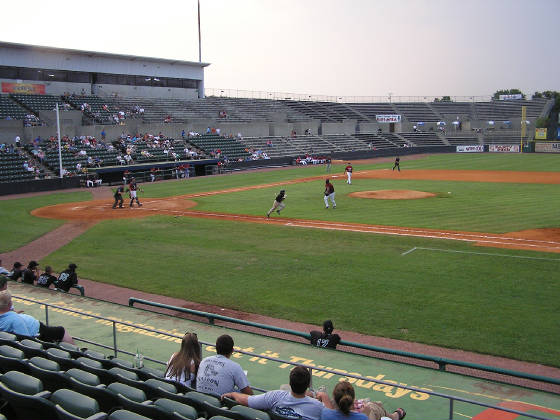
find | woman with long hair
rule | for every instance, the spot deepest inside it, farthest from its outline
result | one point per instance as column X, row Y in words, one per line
column 183, row 365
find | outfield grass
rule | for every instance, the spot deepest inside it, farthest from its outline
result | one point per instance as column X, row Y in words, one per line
column 490, row 304
column 19, row 227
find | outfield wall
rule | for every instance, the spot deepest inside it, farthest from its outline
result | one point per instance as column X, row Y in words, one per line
column 547, row 147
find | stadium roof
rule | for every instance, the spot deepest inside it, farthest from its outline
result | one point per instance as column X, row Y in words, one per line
column 99, row 54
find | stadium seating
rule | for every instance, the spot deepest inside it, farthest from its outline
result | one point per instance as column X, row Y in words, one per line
column 9, row 109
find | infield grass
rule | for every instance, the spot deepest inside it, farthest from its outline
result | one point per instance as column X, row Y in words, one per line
column 19, row 227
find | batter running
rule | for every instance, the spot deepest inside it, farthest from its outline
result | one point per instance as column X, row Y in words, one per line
column 278, row 204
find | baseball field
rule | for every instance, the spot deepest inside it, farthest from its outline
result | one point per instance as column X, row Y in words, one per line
column 474, row 265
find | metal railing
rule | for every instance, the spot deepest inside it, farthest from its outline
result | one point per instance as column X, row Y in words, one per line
column 442, row 362
column 451, row 399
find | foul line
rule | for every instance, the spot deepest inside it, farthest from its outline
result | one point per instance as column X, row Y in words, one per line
column 478, row 253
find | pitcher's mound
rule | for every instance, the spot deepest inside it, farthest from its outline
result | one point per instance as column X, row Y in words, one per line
column 392, row 194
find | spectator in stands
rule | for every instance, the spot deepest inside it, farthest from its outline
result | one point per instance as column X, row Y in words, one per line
column 3, row 271
column 344, row 396
column 294, row 404
column 17, row 141
column 30, row 273
column 3, row 282
column 46, row 279
column 326, row 338
column 67, row 278
column 218, row 374
column 183, row 365
column 16, row 272
column 23, row 324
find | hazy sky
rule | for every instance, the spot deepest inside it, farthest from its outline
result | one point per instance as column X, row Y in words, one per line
column 320, row 47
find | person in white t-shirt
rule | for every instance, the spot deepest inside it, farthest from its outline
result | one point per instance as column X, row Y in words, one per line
column 218, row 374
column 295, row 404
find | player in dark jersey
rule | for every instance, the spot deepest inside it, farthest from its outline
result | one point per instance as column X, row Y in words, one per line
column 133, row 190
column 118, row 197
column 325, row 338
column 278, row 204
column 67, row 278
column 397, row 164
column 329, row 193
column 46, row 279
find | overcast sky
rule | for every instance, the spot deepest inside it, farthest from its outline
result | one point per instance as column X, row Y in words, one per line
column 319, row 47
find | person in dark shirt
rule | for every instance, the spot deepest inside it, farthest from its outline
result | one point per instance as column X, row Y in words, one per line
column 326, row 338
column 16, row 272
column 278, row 204
column 30, row 273
column 46, row 279
column 67, row 278
column 397, row 164
column 118, row 197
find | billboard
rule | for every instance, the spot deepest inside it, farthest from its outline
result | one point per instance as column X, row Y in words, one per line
column 547, row 147
column 504, row 148
column 540, row 133
column 29, row 88
column 388, row 118
column 475, row 148
column 513, row 97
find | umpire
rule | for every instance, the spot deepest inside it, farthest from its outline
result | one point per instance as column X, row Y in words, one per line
column 118, row 197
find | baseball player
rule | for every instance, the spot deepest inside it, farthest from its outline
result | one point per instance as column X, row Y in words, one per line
column 329, row 194
column 133, row 191
column 348, row 171
column 118, row 197
column 278, row 204
column 397, row 164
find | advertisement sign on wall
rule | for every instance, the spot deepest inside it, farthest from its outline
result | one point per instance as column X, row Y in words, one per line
column 515, row 96
column 389, row 118
column 504, row 148
column 540, row 133
column 29, row 88
column 475, row 148
column 548, row 147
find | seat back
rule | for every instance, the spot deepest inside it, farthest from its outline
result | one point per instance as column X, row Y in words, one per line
column 212, row 410
column 12, row 358
column 29, row 404
column 83, row 376
column 126, row 415
column 106, row 399
column 248, row 413
column 75, row 403
column 52, row 379
column 171, row 406
column 127, row 391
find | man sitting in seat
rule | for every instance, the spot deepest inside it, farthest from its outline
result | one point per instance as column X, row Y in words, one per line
column 218, row 374
column 294, row 404
column 23, row 324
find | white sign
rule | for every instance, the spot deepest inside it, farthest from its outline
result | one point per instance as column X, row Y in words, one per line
column 389, row 118
column 510, row 97
column 475, row 148
column 504, row 148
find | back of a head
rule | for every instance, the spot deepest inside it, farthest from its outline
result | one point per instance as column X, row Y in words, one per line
column 328, row 326
column 5, row 300
column 344, row 395
column 224, row 345
column 300, row 378
column 190, row 346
